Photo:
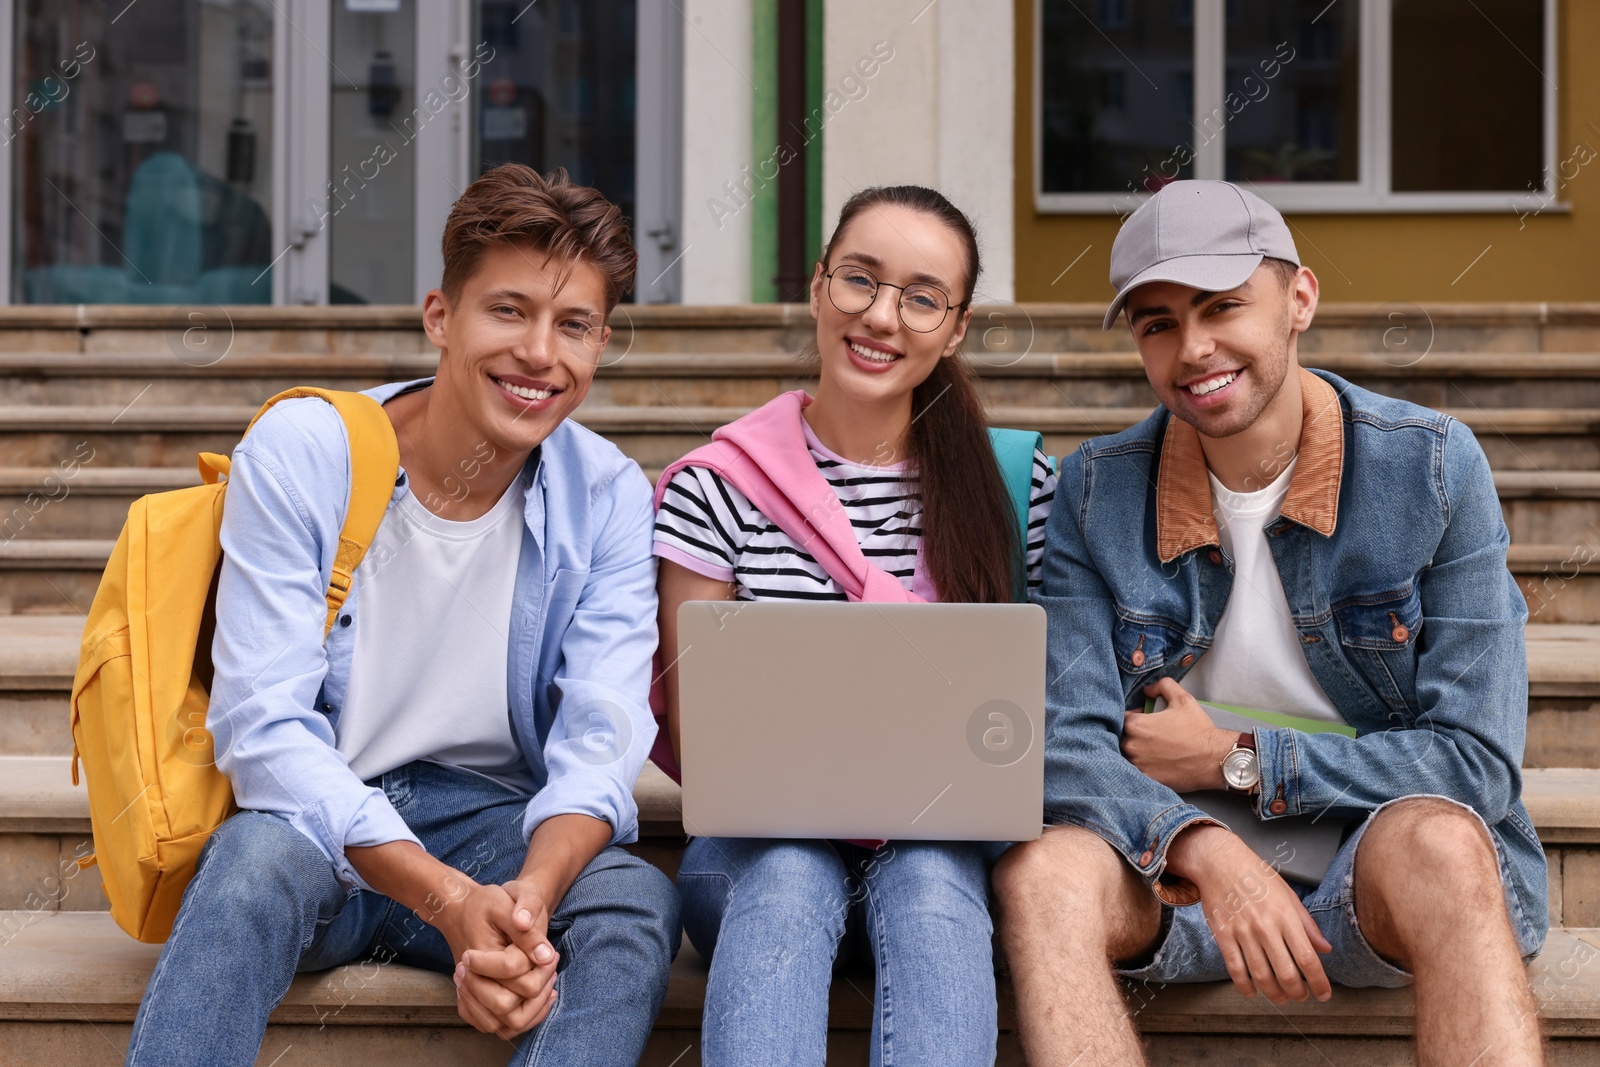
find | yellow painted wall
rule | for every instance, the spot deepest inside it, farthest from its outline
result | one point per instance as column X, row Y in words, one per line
column 1376, row 257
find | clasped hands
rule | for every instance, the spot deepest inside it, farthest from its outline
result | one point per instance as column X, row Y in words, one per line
column 505, row 965
column 1269, row 941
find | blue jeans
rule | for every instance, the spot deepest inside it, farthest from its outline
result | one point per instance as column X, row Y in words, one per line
column 264, row 904
column 776, row 918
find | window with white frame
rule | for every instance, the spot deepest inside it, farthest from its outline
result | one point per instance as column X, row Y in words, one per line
column 1318, row 105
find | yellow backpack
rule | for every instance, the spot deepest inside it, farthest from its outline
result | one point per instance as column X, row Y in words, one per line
column 140, row 694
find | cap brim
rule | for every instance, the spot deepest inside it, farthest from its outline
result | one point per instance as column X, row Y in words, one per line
column 1212, row 274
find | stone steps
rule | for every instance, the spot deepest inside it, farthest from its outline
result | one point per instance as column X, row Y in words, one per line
column 70, row 982
column 1561, row 582
column 1525, row 377
column 1544, row 507
column 1443, row 379
column 145, row 435
column 70, row 985
column 56, row 920
column 38, row 654
column 44, row 827
column 1397, row 328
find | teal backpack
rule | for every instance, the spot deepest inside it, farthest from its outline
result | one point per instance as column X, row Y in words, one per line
column 1013, row 450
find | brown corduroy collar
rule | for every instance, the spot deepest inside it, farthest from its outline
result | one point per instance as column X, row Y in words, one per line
column 1184, row 519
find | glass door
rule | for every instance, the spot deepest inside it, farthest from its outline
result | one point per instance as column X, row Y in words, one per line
column 308, row 151
column 378, row 102
column 373, row 121
column 141, row 144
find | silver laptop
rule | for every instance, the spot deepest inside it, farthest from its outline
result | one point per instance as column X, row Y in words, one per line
column 837, row 720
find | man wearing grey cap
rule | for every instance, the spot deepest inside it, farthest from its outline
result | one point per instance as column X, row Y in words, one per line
column 1280, row 541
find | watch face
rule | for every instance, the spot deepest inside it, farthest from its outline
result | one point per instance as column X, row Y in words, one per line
column 1240, row 770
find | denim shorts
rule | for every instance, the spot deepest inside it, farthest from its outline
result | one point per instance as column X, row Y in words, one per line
column 1187, row 951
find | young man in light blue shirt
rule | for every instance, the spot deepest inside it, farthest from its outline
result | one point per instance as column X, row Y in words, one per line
column 444, row 782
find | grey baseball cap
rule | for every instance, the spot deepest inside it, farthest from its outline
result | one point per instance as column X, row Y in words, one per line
column 1206, row 234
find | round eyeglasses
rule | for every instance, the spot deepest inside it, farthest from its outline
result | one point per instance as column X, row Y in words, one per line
column 922, row 307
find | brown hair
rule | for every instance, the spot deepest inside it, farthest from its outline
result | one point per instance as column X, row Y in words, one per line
column 971, row 542
column 1283, row 269
column 515, row 204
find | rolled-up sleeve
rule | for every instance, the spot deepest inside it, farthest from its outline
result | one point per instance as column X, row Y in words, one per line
column 279, row 536
column 603, row 729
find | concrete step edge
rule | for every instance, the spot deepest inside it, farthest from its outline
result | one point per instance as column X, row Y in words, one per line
column 41, row 652
column 390, row 317
column 37, row 796
column 92, row 553
column 77, row 967
column 112, row 481
column 701, row 419
column 624, row 360
column 97, row 481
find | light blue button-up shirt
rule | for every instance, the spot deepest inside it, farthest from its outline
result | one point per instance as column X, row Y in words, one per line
column 582, row 633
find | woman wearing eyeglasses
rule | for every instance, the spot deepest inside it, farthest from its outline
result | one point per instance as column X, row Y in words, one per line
column 897, row 432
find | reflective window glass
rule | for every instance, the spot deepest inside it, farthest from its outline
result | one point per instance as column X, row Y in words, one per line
column 559, row 90
column 373, row 122
column 1292, row 92
column 141, row 140
column 1116, row 96
column 1469, row 97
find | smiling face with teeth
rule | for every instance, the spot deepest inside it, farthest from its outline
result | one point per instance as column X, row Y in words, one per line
column 870, row 359
column 1219, row 361
column 519, row 345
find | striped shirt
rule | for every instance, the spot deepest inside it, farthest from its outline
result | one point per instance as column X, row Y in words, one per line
column 710, row 527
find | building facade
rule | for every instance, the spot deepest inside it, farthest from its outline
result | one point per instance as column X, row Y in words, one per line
column 307, row 151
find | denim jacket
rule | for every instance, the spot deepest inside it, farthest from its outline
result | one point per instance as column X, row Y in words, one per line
column 583, row 630
column 1392, row 551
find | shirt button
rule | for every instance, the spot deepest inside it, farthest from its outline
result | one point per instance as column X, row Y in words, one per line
column 1187, row 661
column 1147, row 859
column 328, row 708
column 1137, row 657
column 1400, row 633
column 1278, row 807
column 1214, row 556
column 344, row 620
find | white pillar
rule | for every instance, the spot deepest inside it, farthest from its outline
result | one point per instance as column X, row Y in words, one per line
column 939, row 113
column 717, row 119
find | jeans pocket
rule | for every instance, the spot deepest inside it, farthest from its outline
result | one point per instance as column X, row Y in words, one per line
column 399, row 786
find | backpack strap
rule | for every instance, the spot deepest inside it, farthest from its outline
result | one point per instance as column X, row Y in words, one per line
column 374, row 466
column 1013, row 450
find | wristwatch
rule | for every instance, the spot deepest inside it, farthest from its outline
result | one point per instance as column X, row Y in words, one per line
column 1241, row 771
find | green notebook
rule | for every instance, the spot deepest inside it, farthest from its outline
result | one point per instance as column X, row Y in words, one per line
column 1273, row 718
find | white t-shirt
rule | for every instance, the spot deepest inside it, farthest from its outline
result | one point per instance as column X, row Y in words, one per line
column 1255, row 659
column 428, row 675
